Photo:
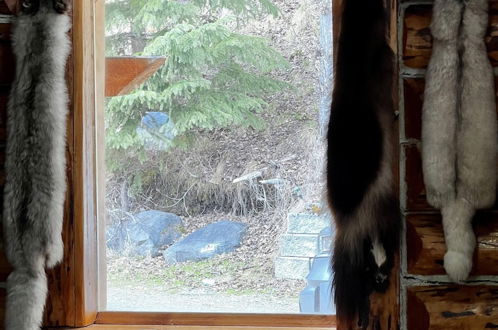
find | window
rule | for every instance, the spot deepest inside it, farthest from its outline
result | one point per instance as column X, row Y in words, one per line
column 214, row 156
column 78, row 296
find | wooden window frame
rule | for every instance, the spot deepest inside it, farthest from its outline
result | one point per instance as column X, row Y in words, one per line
column 77, row 287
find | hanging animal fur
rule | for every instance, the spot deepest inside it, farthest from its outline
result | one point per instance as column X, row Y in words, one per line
column 35, row 186
column 459, row 126
column 359, row 169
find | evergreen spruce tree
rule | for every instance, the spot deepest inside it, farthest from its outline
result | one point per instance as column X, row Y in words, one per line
column 213, row 77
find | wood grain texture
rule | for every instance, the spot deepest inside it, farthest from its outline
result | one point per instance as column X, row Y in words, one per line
column 84, row 167
column 124, row 74
column 60, row 304
column 100, row 73
column 426, row 246
column 210, row 319
column 183, row 327
column 415, row 199
column 417, row 39
column 452, row 307
column 73, row 285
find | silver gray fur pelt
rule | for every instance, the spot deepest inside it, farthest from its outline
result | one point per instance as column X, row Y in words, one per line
column 459, row 126
column 35, row 159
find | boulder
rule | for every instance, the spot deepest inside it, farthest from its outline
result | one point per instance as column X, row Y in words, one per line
column 216, row 238
column 145, row 235
column 115, row 237
column 163, row 228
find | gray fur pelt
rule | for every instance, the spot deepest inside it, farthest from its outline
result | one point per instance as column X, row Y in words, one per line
column 459, row 126
column 35, row 160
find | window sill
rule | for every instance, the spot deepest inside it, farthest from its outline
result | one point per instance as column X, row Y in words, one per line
column 190, row 327
column 191, row 321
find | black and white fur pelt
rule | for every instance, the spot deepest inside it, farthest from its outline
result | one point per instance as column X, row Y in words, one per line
column 35, row 164
column 360, row 165
column 459, row 126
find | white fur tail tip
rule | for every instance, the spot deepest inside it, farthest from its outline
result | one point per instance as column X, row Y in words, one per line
column 460, row 239
column 457, row 265
column 378, row 253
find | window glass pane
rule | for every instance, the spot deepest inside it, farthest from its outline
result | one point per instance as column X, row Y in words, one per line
column 214, row 155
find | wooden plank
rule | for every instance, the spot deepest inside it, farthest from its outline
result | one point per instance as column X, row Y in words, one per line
column 181, row 327
column 73, row 285
column 173, row 327
column 84, row 171
column 417, row 40
column 426, row 245
column 415, row 199
column 124, row 74
column 59, row 307
column 212, row 319
column 452, row 307
column 100, row 149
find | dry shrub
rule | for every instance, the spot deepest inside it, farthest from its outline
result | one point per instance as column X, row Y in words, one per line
column 200, row 180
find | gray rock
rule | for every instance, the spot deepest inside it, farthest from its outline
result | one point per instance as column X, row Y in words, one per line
column 144, row 236
column 163, row 228
column 217, row 238
column 115, row 237
column 138, row 242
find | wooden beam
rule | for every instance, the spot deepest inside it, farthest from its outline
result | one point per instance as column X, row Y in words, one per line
column 73, row 291
column 452, row 307
column 214, row 319
column 124, row 74
column 84, row 170
column 183, row 327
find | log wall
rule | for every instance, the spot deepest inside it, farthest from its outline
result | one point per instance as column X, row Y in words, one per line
column 429, row 300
